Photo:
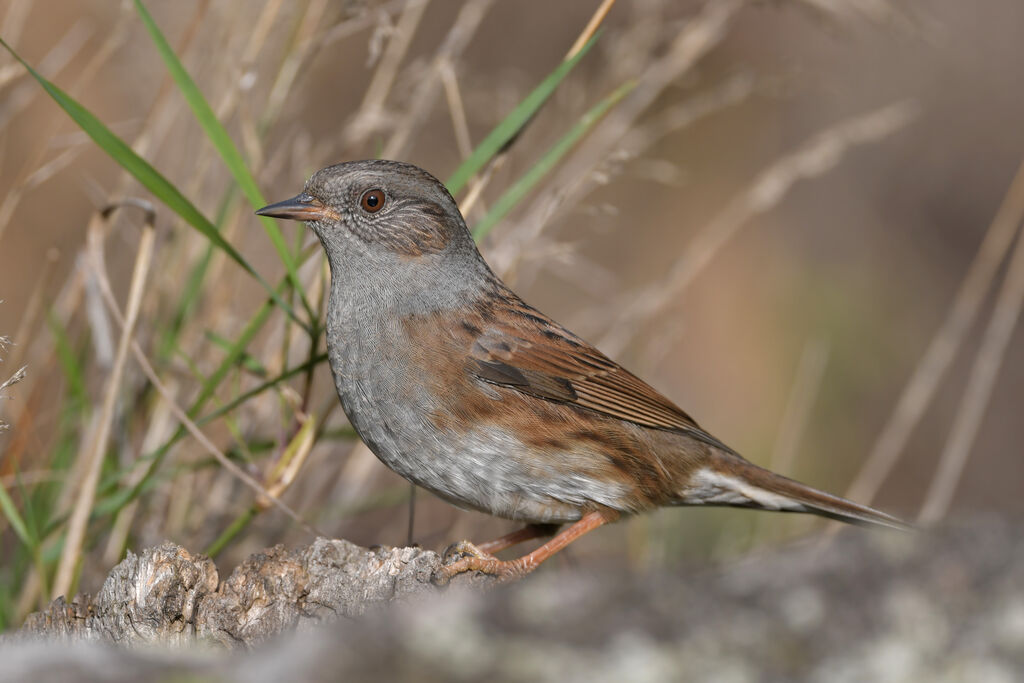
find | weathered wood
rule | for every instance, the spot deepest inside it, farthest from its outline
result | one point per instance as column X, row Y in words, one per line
column 168, row 596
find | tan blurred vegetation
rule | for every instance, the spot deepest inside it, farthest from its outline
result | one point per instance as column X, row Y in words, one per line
column 772, row 228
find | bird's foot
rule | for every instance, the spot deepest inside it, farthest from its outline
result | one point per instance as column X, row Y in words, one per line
column 461, row 549
column 464, row 557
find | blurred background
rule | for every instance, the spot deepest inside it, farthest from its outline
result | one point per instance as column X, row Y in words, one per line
column 777, row 227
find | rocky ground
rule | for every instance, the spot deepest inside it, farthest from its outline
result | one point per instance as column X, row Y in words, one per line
column 938, row 606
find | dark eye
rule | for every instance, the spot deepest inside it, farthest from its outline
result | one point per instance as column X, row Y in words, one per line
column 372, row 201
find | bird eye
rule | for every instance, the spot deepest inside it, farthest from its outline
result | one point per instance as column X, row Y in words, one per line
column 372, row 201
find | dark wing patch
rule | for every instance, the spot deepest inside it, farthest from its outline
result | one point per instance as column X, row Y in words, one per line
column 530, row 382
column 520, row 348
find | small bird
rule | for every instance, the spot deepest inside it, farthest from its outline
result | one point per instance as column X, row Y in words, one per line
column 462, row 388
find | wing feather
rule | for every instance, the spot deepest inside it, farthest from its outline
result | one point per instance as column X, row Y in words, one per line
column 520, row 348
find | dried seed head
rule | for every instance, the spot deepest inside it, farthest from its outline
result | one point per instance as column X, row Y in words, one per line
column 6, row 342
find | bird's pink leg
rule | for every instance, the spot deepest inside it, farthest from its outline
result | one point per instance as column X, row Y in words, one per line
column 513, row 569
column 527, row 533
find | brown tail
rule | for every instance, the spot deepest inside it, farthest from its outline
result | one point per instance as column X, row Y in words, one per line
column 731, row 480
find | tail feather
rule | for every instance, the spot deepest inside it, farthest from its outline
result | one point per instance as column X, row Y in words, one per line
column 736, row 482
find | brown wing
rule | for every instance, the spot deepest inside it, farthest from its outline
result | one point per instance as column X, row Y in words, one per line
column 520, row 348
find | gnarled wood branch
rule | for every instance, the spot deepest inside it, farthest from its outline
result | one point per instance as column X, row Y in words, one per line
column 168, row 596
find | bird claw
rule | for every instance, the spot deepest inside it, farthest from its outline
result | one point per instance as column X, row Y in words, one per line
column 461, row 549
column 462, row 557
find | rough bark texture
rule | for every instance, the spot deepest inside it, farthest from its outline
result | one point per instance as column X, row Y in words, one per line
column 946, row 606
column 167, row 596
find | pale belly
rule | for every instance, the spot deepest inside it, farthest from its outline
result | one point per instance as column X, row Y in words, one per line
column 484, row 468
column 481, row 470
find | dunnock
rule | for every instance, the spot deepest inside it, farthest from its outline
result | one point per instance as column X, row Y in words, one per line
column 462, row 388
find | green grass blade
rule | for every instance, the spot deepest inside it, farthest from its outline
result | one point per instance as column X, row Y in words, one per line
column 233, row 530
column 124, row 496
column 150, row 178
column 118, row 499
column 514, row 122
column 10, row 511
column 522, row 186
column 25, row 532
column 188, row 300
column 69, row 363
column 269, row 384
column 248, row 362
column 217, row 134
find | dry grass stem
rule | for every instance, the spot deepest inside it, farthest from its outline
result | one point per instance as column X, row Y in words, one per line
column 984, row 374
column 527, row 239
column 15, row 18
column 18, row 376
column 56, row 59
column 30, row 319
column 31, row 478
column 576, row 176
column 816, row 157
column 735, row 89
column 41, row 358
column 802, row 397
column 158, row 430
column 934, row 364
column 32, row 171
column 371, row 111
column 479, row 182
column 879, row 11
column 304, row 45
column 360, row 469
column 180, row 415
column 457, row 110
column 426, row 92
column 591, row 28
column 92, row 456
column 212, row 449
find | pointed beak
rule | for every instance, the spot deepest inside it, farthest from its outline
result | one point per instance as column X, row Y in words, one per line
column 301, row 207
